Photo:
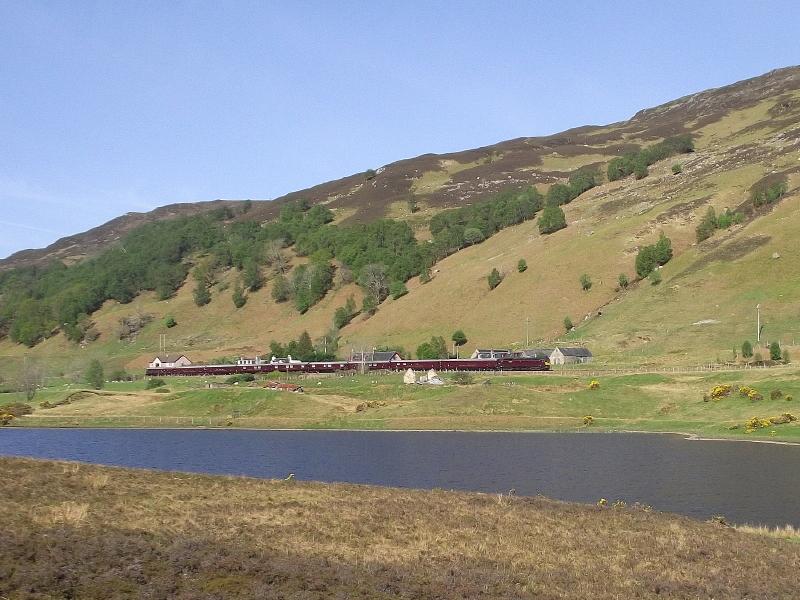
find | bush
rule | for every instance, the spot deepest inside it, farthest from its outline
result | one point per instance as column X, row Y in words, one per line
column 623, row 281
column 494, row 278
column 775, row 395
column 720, row 391
column 121, row 375
column 587, row 421
column 238, row 297
column 201, row 294
column 775, row 351
column 433, row 349
column 652, row 256
column 747, row 349
column 522, row 266
column 677, row 168
column 637, row 162
column 586, row 282
column 240, row 378
column 170, row 322
column 16, row 409
column 552, row 219
column 397, row 289
column 281, row 289
column 594, row 384
column 568, row 326
column 654, row 277
column 785, row 357
column 155, row 382
column 463, row 378
column 369, row 306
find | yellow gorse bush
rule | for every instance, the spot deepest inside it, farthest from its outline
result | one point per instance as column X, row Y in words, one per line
column 594, row 384
column 720, row 391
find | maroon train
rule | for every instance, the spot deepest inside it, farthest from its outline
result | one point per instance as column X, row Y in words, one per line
column 453, row 364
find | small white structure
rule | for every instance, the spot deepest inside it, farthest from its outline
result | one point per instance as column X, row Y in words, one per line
column 249, row 361
column 276, row 360
column 167, row 361
column 409, row 377
column 433, row 378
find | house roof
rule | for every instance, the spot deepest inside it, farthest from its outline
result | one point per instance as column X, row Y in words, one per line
column 376, row 356
column 170, row 358
column 579, row 352
column 491, row 350
column 536, row 352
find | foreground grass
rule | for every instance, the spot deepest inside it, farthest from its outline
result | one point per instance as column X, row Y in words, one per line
column 80, row 531
column 644, row 402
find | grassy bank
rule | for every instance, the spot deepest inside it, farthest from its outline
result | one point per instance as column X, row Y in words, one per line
column 89, row 532
column 643, row 402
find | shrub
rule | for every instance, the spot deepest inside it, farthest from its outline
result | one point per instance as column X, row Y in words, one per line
column 775, row 395
column 594, row 384
column 587, row 421
column 784, row 418
column 720, row 391
column 397, row 289
column 705, row 229
column 155, row 382
column 16, row 409
column 568, row 326
column 281, row 289
column 494, row 278
column 623, row 281
column 747, row 349
column 425, row 275
column 463, row 378
column 459, row 338
column 586, row 282
column 201, row 294
column 650, row 257
column 655, row 277
column 522, row 266
column 789, row 397
column 121, row 375
column 472, row 236
column 677, row 168
column 170, row 322
column 433, row 349
column 369, row 306
column 240, row 378
column 775, row 351
column 754, row 423
column 785, row 357
column 238, row 297
column 5, row 419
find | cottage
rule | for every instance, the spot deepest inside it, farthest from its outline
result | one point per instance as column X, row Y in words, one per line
column 565, row 356
column 490, row 353
column 539, row 353
column 167, row 361
column 370, row 357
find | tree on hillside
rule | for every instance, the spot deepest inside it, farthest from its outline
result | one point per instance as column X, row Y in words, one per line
column 522, row 266
column 459, row 339
column 397, row 289
column 201, row 294
column 251, row 276
column 568, row 326
column 586, row 282
column 747, row 349
column 369, row 306
column 433, row 349
column 30, row 378
column 170, row 322
column 275, row 257
column 281, row 289
column 623, row 281
column 552, row 219
column 775, row 351
column 558, row 194
column 412, row 204
column 472, row 236
column 375, row 281
column 305, row 347
column 94, row 374
column 494, row 278
column 238, row 297
column 708, row 224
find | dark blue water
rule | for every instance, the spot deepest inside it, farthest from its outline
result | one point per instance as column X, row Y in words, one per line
column 746, row 483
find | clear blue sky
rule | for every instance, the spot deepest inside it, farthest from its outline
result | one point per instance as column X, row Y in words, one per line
column 109, row 107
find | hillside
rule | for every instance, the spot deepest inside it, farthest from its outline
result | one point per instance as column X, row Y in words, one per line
column 745, row 136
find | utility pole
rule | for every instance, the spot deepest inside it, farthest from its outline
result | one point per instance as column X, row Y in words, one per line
column 527, row 337
column 758, row 324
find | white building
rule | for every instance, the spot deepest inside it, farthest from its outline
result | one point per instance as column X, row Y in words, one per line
column 167, row 361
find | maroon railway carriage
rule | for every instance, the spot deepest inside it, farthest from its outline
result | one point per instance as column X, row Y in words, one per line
column 453, row 364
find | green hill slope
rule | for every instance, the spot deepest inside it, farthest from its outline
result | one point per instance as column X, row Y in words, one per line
column 746, row 136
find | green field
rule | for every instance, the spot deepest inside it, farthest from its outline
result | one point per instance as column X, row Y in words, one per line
column 549, row 401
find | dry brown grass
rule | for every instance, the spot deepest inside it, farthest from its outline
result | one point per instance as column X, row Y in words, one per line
column 170, row 535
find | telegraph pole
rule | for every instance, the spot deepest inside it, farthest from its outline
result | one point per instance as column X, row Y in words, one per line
column 527, row 337
column 758, row 323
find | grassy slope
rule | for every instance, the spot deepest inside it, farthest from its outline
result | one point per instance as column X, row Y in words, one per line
column 89, row 532
column 646, row 402
column 606, row 226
